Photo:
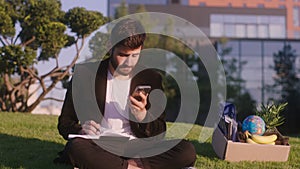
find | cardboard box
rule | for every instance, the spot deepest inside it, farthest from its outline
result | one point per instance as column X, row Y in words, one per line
column 236, row 151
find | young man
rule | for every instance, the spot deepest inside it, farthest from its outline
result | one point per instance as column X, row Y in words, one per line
column 121, row 112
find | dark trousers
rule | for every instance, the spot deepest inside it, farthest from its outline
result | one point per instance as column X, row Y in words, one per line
column 86, row 154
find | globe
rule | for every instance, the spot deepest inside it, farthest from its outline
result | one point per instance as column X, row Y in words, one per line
column 254, row 124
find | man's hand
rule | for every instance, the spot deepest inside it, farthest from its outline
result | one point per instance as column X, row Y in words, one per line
column 138, row 107
column 90, row 128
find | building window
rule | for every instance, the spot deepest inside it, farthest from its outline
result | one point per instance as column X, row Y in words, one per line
column 296, row 16
column 250, row 19
column 276, row 19
column 229, row 30
column 276, row 31
column 260, row 5
column 241, row 19
column 202, row 4
column 240, row 30
column 216, row 29
column 217, row 18
column 262, row 19
column 281, row 7
column 244, row 5
column 251, row 31
column 229, row 18
column 229, row 4
column 251, row 26
column 263, row 31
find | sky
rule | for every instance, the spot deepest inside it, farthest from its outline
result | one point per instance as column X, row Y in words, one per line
column 97, row 5
column 66, row 54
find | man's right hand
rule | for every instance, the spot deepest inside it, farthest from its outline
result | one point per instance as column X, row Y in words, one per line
column 90, row 128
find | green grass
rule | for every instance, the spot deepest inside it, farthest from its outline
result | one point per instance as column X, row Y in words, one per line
column 29, row 141
column 32, row 141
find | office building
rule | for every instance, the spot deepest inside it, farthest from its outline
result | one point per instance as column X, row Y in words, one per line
column 292, row 15
column 255, row 30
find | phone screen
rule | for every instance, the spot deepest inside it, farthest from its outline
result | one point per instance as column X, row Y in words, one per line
column 145, row 89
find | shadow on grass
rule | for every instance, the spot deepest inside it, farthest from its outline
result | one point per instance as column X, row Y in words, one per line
column 28, row 153
column 204, row 149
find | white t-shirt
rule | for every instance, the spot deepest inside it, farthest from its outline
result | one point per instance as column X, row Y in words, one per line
column 116, row 113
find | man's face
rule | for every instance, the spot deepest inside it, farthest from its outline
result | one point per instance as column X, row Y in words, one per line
column 124, row 59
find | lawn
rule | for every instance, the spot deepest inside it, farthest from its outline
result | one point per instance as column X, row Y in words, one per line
column 31, row 142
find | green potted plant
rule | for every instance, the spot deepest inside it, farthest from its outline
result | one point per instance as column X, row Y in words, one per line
column 271, row 115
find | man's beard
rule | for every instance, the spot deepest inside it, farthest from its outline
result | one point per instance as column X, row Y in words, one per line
column 118, row 69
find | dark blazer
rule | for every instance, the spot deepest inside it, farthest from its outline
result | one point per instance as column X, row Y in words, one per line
column 68, row 122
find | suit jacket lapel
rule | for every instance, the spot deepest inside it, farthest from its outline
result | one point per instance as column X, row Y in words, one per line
column 101, row 84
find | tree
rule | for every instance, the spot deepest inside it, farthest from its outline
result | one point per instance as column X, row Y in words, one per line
column 286, row 72
column 122, row 10
column 140, row 8
column 287, row 86
column 97, row 45
column 32, row 32
column 236, row 90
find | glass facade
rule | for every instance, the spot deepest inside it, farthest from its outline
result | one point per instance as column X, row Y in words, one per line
column 113, row 4
column 247, row 26
column 258, row 71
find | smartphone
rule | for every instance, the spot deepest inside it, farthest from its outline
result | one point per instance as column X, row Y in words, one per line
column 142, row 88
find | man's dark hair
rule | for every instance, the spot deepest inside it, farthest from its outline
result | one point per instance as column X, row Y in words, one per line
column 128, row 33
